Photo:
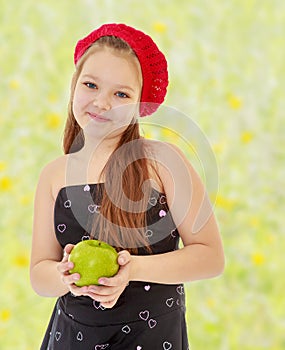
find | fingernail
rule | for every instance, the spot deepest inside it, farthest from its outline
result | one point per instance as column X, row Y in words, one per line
column 121, row 260
column 75, row 277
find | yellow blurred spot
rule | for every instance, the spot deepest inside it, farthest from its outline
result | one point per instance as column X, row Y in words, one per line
column 224, row 202
column 21, row 260
column 246, row 137
column 53, row 121
column 3, row 165
column 211, row 303
column 14, row 84
column 271, row 238
column 159, row 27
column 5, row 315
column 234, row 102
column 257, row 258
column 148, row 135
column 219, row 147
column 25, row 200
column 254, row 222
column 5, row 183
column 169, row 135
column 52, row 98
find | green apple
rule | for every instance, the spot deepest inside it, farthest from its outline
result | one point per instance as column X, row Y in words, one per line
column 93, row 259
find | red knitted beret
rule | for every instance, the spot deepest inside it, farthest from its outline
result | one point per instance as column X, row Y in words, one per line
column 152, row 61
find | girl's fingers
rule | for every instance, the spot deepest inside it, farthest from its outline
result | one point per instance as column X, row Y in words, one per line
column 104, row 291
column 70, row 279
column 64, row 267
column 68, row 248
column 124, row 257
column 79, row 291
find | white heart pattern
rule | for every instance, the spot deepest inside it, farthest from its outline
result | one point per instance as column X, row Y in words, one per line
column 152, row 323
column 67, row 204
column 173, row 233
column 79, row 336
column 144, row 315
column 86, row 188
column 126, row 329
column 85, row 238
column 92, row 208
column 57, row 336
column 162, row 200
column 147, row 287
column 98, row 306
column 166, row 345
column 61, row 228
column 139, row 347
column 180, row 290
column 170, row 302
column 101, row 346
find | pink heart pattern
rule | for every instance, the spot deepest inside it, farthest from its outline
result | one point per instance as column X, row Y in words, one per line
column 61, row 228
column 147, row 287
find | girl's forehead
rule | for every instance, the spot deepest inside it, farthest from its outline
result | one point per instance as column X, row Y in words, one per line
column 107, row 61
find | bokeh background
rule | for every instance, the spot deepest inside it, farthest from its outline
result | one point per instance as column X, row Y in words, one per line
column 226, row 65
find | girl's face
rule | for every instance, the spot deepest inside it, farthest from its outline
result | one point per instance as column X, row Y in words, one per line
column 107, row 92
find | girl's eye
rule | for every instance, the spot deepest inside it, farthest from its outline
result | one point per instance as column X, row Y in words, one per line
column 91, row 85
column 121, row 94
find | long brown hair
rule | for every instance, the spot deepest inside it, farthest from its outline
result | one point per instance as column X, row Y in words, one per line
column 125, row 173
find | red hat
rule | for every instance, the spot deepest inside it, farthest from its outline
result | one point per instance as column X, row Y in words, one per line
column 152, row 61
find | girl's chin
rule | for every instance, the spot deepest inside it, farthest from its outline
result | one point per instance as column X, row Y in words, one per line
column 101, row 130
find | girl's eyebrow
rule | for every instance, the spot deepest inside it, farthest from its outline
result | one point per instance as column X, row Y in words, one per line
column 118, row 86
column 124, row 87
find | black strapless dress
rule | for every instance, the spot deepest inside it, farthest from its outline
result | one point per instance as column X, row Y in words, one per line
column 147, row 316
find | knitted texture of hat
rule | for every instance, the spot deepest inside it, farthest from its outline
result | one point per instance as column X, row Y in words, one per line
column 152, row 61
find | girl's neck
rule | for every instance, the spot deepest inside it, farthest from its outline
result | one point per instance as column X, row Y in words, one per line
column 95, row 147
column 86, row 165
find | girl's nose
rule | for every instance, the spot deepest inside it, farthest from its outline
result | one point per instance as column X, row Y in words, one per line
column 102, row 102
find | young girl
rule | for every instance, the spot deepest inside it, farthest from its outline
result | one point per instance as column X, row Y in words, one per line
column 140, row 196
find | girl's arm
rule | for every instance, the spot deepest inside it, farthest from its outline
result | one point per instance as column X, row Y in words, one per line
column 46, row 251
column 49, row 268
column 202, row 255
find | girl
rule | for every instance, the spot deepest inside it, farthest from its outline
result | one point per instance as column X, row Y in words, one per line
column 139, row 195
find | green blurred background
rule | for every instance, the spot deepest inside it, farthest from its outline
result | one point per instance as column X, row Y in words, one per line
column 226, row 65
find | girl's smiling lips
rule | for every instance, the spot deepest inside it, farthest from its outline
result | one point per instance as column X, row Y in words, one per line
column 98, row 117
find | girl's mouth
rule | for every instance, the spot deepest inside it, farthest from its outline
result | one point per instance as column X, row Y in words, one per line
column 98, row 117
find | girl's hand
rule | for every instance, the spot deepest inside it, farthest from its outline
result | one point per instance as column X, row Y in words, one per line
column 69, row 279
column 110, row 289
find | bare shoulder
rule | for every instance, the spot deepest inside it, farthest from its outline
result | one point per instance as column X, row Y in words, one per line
column 170, row 163
column 159, row 148
column 52, row 175
column 174, row 169
column 165, row 154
